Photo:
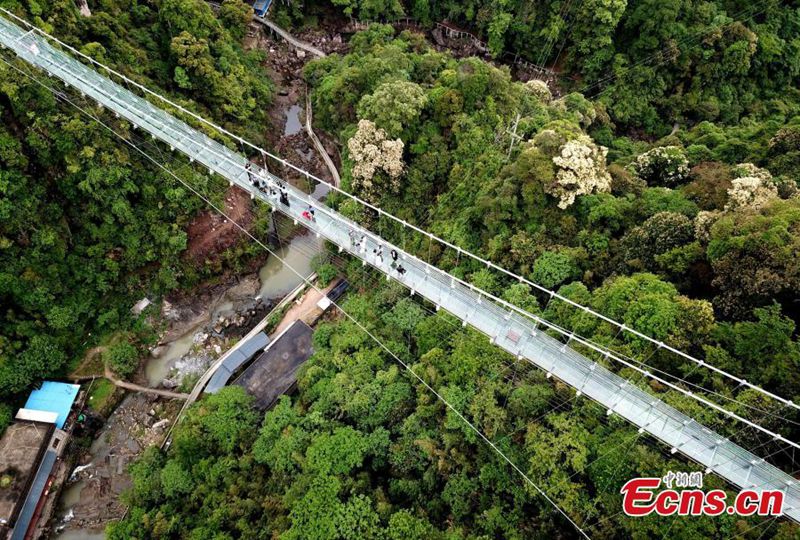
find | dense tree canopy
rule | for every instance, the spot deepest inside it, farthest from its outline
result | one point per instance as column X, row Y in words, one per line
column 656, row 184
column 87, row 226
column 365, row 451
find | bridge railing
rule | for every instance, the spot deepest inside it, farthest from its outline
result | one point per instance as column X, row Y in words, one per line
column 274, row 162
column 508, row 326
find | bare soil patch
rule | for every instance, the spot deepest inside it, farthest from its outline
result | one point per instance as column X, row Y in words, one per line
column 211, row 233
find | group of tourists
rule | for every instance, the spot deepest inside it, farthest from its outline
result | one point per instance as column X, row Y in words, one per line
column 276, row 191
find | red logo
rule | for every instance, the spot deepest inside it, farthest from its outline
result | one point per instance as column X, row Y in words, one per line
column 641, row 497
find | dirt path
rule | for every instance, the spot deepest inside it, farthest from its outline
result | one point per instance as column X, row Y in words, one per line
column 108, row 374
column 297, row 43
column 138, row 388
column 337, row 181
column 305, row 309
column 287, row 135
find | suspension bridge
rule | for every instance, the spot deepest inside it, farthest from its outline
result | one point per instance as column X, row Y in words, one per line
column 509, row 327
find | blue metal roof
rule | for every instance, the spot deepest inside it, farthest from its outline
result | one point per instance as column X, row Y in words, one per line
column 242, row 354
column 261, row 7
column 54, row 397
column 23, row 522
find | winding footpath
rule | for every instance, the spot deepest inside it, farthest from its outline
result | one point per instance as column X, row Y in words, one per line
column 289, row 37
column 337, row 181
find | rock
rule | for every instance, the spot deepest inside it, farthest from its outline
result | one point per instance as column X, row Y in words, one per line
column 167, row 310
column 301, row 54
column 78, row 470
column 217, row 349
column 246, row 288
column 162, row 424
column 151, row 412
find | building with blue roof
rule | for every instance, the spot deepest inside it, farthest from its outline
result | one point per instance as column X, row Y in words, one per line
column 29, row 453
column 54, row 397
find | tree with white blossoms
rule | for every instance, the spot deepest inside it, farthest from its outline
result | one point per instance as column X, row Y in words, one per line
column 754, row 188
column 372, row 152
column 751, row 192
column 581, row 171
column 703, row 222
column 743, row 170
column 664, row 166
column 540, row 90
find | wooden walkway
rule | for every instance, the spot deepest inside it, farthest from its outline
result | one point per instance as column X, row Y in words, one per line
column 300, row 44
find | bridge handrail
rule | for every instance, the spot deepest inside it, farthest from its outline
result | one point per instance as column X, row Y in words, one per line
column 594, row 373
column 489, row 264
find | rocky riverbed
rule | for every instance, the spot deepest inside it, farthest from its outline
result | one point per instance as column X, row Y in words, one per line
column 200, row 328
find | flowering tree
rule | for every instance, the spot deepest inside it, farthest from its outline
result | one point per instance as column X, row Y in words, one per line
column 750, row 192
column 539, row 89
column 372, row 153
column 581, row 170
column 662, row 166
column 754, row 188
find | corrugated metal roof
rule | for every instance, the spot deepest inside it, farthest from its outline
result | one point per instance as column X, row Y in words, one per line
column 54, row 397
column 34, row 494
column 261, row 7
column 254, row 344
column 37, row 416
column 235, row 359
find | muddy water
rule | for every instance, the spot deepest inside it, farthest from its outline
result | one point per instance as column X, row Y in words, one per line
column 278, row 279
column 71, row 496
column 158, row 368
column 293, row 124
column 79, row 534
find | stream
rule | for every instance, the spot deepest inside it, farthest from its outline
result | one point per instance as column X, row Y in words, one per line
column 276, row 279
column 293, row 123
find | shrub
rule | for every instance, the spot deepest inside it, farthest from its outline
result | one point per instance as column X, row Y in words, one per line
column 5, row 417
column 122, row 358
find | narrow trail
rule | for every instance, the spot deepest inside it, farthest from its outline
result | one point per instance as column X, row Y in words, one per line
column 108, row 374
column 337, row 181
column 289, row 37
column 138, row 388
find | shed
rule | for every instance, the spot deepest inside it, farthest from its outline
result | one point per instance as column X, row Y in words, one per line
column 261, row 7
column 274, row 372
column 54, row 397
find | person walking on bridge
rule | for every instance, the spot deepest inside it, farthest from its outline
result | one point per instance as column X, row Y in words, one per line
column 263, row 179
column 250, row 176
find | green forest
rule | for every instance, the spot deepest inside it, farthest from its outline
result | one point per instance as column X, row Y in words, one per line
column 656, row 182
column 87, row 225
